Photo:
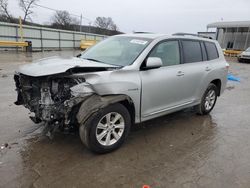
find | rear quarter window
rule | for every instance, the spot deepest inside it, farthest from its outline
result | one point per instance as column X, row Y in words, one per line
column 191, row 51
column 212, row 51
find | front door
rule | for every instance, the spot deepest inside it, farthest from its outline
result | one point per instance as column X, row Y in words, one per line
column 162, row 88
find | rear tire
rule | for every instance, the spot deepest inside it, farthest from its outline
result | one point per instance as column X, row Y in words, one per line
column 106, row 130
column 208, row 100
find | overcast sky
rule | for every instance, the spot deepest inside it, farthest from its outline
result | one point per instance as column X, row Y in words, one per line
column 160, row 16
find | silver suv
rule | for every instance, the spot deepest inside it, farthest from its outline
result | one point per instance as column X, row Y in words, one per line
column 121, row 81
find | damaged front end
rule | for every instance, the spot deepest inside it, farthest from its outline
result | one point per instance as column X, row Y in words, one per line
column 53, row 99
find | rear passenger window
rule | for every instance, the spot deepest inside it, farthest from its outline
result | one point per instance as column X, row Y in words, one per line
column 191, row 51
column 212, row 52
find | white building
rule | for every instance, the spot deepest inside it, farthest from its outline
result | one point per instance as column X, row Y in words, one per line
column 232, row 35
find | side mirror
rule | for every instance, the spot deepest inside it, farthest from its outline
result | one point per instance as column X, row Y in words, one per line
column 153, row 62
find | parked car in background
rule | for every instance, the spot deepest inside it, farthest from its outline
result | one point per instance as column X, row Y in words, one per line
column 244, row 56
column 121, row 81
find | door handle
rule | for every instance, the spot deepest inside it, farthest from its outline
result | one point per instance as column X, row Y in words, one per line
column 208, row 69
column 180, row 73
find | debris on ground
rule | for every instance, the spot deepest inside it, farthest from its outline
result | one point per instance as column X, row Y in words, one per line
column 233, row 78
column 4, row 75
column 4, row 145
column 230, row 87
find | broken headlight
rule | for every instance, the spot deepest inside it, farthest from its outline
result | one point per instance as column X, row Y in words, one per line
column 83, row 89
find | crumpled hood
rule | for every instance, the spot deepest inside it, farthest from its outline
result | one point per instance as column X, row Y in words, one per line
column 56, row 65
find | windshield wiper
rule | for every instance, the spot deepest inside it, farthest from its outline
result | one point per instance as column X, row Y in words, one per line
column 91, row 59
column 96, row 60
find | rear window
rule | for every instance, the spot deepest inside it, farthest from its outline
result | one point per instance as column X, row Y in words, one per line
column 212, row 52
column 191, row 51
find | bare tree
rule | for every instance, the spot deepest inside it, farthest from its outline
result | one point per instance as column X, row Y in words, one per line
column 114, row 27
column 63, row 20
column 105, row 23
column 27, row 6
column 4, row 10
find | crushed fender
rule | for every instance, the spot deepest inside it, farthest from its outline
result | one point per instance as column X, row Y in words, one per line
column 96, row 102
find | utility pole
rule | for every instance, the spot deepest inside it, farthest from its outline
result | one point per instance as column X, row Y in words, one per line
column 21, row 30
column 89, row 26
column 81, row 23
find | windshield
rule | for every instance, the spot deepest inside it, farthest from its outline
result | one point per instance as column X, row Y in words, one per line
column 117, row 50
column 248, row 50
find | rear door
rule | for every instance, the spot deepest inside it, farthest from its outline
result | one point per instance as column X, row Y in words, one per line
column 194, row 68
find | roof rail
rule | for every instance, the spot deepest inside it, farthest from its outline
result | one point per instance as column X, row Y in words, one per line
column 142, row 32
column 191, row 34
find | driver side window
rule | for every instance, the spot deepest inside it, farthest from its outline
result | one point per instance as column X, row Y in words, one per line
column 168, row 52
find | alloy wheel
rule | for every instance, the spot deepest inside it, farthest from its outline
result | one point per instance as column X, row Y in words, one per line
column 110, row 129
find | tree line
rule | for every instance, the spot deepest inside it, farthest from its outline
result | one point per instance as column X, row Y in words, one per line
column 61, row 19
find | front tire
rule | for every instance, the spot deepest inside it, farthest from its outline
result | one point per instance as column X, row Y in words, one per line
column 208, row 100
column 107, row 129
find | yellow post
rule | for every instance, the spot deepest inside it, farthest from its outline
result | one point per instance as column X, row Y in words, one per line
column 21, row 29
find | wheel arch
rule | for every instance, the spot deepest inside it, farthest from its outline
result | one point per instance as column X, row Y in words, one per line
column 95, row 102
column 130, row 107
column 217, row 82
